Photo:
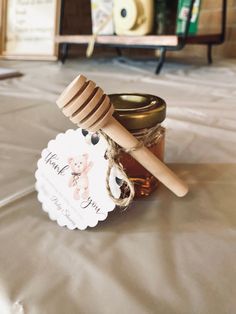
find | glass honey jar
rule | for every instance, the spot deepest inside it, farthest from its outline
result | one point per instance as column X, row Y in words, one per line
column 142, row 115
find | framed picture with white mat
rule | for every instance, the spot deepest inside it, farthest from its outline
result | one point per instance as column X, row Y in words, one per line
column 28, row 29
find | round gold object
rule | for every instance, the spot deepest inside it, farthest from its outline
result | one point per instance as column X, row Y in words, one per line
column 138, row 111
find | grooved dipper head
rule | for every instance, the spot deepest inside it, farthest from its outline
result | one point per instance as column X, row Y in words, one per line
column 85, row 104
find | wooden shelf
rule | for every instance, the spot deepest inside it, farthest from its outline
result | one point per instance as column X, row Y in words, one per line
column 138, row 41
column 163, row 43
column 114, row 40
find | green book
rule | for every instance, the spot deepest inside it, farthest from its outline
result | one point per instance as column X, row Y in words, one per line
column 182, row 15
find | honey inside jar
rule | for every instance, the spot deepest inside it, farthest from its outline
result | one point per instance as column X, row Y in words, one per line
column 142, row 115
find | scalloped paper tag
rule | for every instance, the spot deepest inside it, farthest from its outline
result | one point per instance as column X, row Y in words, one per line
column 71, row 179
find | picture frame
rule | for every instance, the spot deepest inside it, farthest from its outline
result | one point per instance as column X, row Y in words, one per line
column 28, row 29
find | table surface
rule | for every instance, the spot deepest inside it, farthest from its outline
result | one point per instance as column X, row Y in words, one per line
column 163, row 254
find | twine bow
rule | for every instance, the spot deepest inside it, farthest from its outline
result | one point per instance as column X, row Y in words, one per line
column 147, row 137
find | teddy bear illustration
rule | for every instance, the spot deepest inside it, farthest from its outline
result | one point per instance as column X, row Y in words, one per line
column 80, row 167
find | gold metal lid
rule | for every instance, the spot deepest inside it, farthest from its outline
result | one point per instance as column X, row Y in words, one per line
column 138, row 111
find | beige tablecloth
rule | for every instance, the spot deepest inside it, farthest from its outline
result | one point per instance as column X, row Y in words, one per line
column 162, row 255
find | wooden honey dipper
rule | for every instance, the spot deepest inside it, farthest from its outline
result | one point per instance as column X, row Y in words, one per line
column 90, row 108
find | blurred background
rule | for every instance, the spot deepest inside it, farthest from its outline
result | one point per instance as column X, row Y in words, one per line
column 79, row 21
column 185, row 29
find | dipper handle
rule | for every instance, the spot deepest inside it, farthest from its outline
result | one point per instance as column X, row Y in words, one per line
column 145, row 157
